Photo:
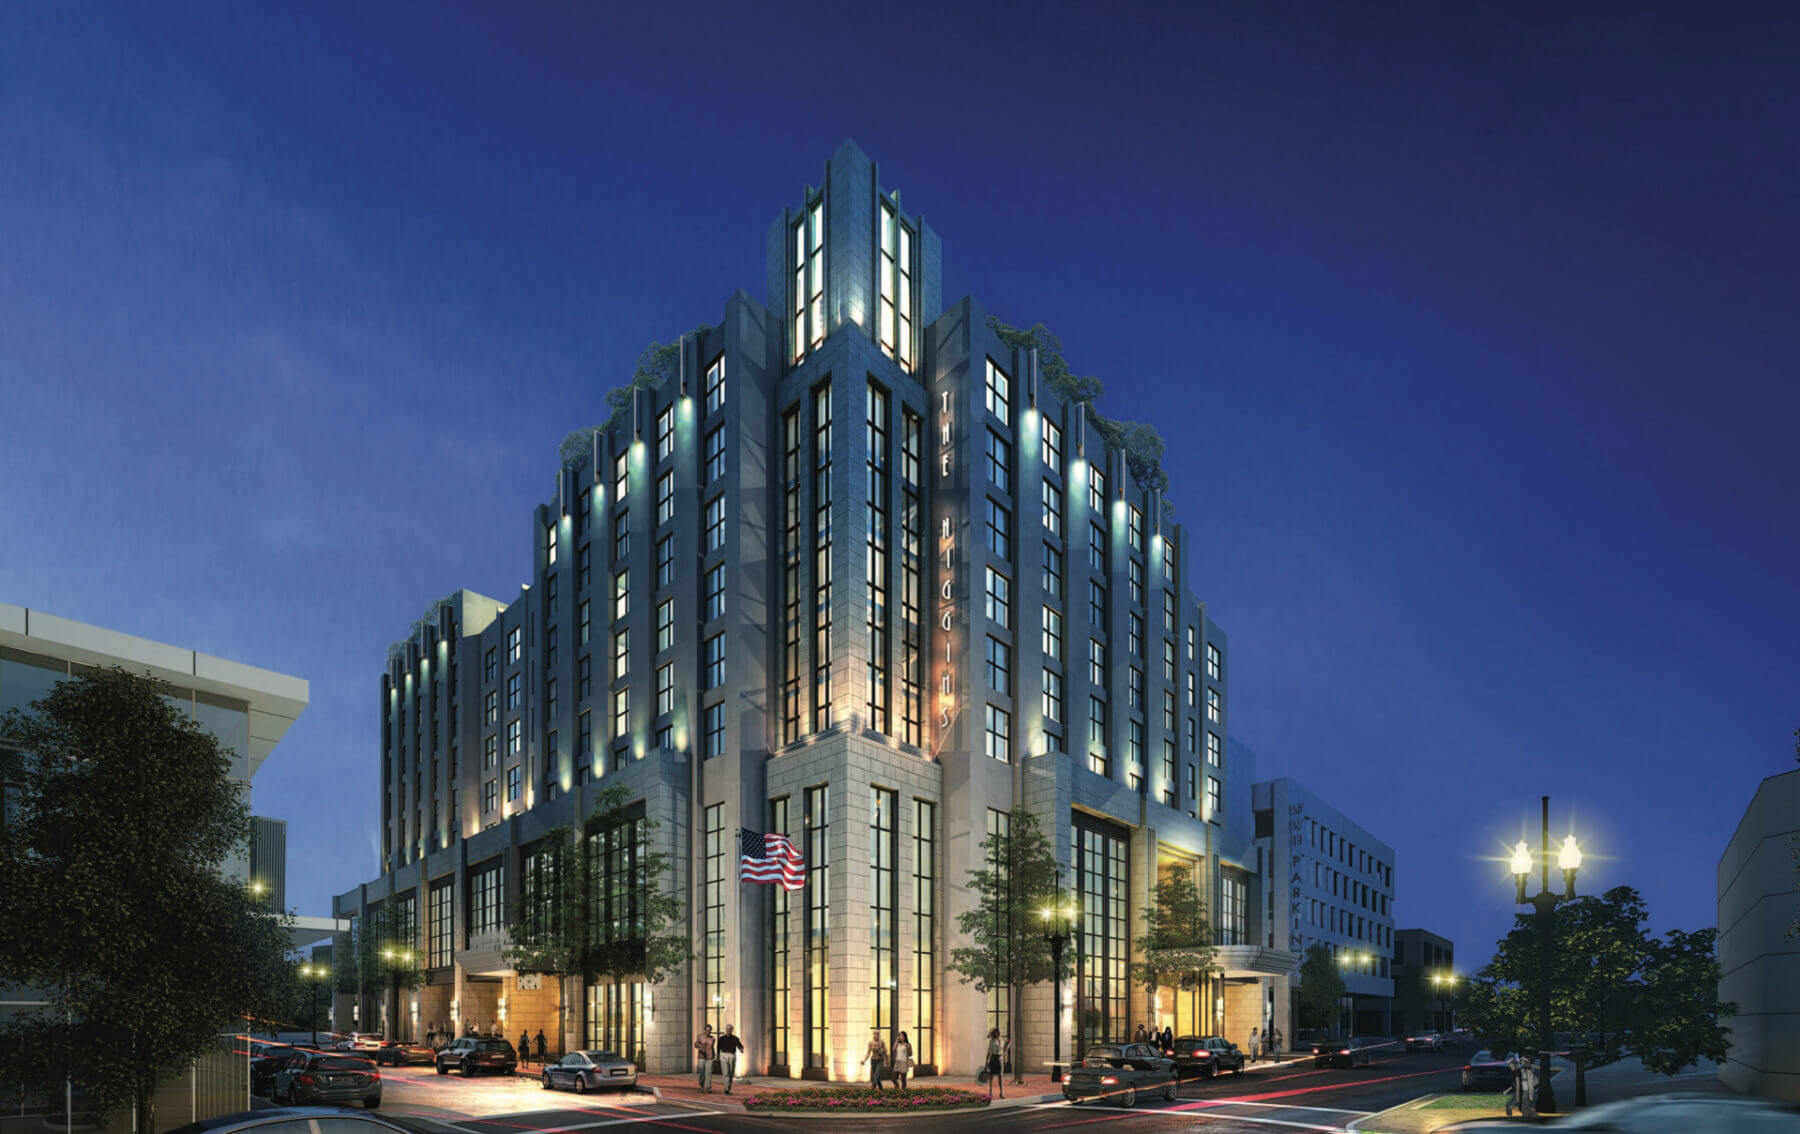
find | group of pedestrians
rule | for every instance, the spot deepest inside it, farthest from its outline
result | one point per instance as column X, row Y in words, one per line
column 717, row 1055
column 1265, row 1046
column 525, row 1048
column 885, row 1065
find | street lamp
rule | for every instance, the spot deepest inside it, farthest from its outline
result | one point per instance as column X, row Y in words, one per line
column 314, row 974
column 1347, row 961
column 1445, row 983
column 396, row 958
column 1058, row 917
column 1544, row 902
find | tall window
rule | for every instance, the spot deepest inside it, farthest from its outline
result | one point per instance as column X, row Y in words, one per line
column 1053, row 695
column 713, row 736
column 712, row 933
column 714, row 598
column 822, row 557
column 1098, row 760
column 622, row 654
column 1053, row 572
column 778, row 951
column 665, row 561
column 1102, row 888
column 791, row 582
column 1052, row 497
column 999, row 529
column 1215, row 662
column 912, row 729
column 998, row 901
column 1215, row 798
column 514, row 644
column 712, row 672
column 713, row 465
column 1215, row 748
column 998, row 600
column 550, row 542
column 715, row 385
column 999, row 460
column 715, row 523
column 665, row 689
column 441, row 911
column 615, row 1011
column 876, row 576
column 665, row 625
column 1214, row 706
column 999, row 733
column 665, row 433
column 924, row 929
column 486, row 897
column 1053, row 633
column 999, row 667
column 999, row 393
column 1050, row 447
column 884, row 855
column 895, row 270
column 621, row 477
column 1097, row 492
column 818, row 928
column 809, row 279
column 621, row 595
column 665, row 498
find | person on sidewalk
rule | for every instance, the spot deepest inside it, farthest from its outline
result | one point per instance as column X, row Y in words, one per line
column 524, row 1048
column 1167, row 1042
column 730, row 1047
column 876, row 1057
column 1275, row 1041
column 996, row 1062
column 903, row 1061
column 1140, row 1035
column 1512, row 1096
column 704, row 1046
column 1256, row 1045
column 540, row 1046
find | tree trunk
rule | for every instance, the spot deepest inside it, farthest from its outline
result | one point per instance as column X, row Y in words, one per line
column 1016, row 992
column 146, row 1107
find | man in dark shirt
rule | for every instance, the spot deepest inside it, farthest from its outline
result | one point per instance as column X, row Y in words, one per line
column 730, row 1047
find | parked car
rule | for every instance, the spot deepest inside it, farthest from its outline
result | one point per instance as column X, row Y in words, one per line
column 1487, row 1069
column 1425, row 1041
column 264, row 1063
column 1657, row 1114
column 365, row 1041
column 1357, row 1052
column 1202, row 1057
column 314, row 1077
column 586, row 1070
column 473, row 1054
column 284, row 1120
column 1120, row 1071
column 397, row 1053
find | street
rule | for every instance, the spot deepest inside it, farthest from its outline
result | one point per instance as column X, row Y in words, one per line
column 1266, row 1101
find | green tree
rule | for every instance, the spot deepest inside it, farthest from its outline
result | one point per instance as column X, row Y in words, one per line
column 387, row 959
column 1677, row 1022
column 125, row 821
column 1009, row 951
column 1175, row 949
column 656, row 364
column 1321, row 988
column 599, row 906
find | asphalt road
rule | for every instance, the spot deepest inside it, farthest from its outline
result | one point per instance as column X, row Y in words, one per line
column 1299, row 1098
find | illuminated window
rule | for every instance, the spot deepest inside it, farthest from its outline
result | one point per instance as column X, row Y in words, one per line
column 1214, row 706
column 779, row 937
column 1052, row 497
column 665, row 433
column 550, row 537
column 1134, row 520
column 875, row 561
column 1098, row 761
column 817, row 965
column 1052, row 634
column 665, row 625
column 1214, row 748
column 884, row 897
column 808, row 265
column 1168, row 612
column 715, row 456
column 1053, row 695
column 490, row 707
column 895, row 315
column 514, row 783
column 1103, row 890
column 515, row 684
column 999, row 599
column 793, row 585
column 490, row 795
column 924, row 929
column 621, row 595
column 823, row 566
column 1215, row 662
column 622, row 654
column 715, row 385
column 490, row 664
column 665, row 689
column 999, row 667
column 999, row 393
column 712, row 917
column 1096, row 663
column 621, row 477
column 515, row 738
column 1215, row 797
column 1050, row 445
column 621, row 712
column 514, row 647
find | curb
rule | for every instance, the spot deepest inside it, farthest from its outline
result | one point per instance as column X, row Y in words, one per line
column 1356, row 1124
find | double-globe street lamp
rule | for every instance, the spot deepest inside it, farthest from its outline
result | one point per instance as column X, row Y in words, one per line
column 1346, row 961
column 1445, row 984
column 396, row 958
column 1058, row 917
column 313, row 975
column 1544, row 902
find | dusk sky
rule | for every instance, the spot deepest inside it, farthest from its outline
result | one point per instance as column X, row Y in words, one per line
column 1474, row 337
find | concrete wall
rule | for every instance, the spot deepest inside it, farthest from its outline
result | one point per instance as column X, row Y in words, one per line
column 1759, row 963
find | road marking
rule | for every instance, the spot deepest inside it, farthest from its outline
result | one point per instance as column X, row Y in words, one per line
column 1290, row 1106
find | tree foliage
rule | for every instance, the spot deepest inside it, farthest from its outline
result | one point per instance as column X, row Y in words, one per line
column 1321, row 988
column 114, row 858
column 656, row 364
column 1175, row 949
column 1655, row 998
column 1008, row 948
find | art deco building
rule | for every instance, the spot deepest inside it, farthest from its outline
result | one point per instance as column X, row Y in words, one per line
column 857, row 573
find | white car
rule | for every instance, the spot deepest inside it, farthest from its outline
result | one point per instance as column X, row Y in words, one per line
column 365, row 1041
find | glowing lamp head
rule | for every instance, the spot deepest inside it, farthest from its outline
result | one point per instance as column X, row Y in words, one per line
column 1569, row 858
column 1521, row 859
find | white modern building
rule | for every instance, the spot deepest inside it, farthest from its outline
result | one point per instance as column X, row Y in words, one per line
column 1759, row 942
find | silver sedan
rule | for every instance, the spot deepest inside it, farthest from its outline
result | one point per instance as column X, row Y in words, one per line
column 588, row 1070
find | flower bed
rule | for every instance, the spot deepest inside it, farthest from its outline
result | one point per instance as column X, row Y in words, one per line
column 860, row 1099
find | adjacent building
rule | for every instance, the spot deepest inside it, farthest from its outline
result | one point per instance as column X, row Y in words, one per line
column 856, row 571
column 1759, row 922
column 1330, row 882
column 1425, row 980
column 268, row 859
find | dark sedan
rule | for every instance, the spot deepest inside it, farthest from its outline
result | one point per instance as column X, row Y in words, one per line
column 1485, row 1069
column 1118, row 1072
column 586, row 1070
column 1202, row 1057
column 398, row 1053
column 264, row 1063
column 1344, row 1053
column 314, row 1078
column 472, row 1054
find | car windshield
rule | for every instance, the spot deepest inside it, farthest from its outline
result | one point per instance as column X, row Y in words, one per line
column 602, row 1056
column 1103, row 1053
column 277, row 1052
column 495, row 1045
column 338, row 1063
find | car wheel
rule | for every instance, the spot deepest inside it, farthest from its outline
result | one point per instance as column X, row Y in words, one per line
column 546, row 1080
column 442, row 1070
column 581, row 1084
column 1239, row 1069
column 1129, row 1097
column 1170, row 1091
column 1209, row 1072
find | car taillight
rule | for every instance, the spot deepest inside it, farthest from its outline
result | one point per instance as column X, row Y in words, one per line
column 1109, row 1081
column 1202, row 1055
column 306, row 1081
column 1346, row 1051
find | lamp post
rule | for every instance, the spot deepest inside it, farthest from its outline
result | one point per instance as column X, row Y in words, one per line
column 1444, row 983
column 395, row 958
column 1347, row 961
column 1059, row 919
column 1544, row 902
column 314, row 974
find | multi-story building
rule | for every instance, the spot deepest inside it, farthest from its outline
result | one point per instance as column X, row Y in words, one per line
column 1425, row 981
column 859, row 573
column 1330, row 882
column 1759, row 918
column 268, row 859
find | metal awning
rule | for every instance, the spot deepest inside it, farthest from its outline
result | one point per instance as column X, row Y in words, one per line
column 1251, row 961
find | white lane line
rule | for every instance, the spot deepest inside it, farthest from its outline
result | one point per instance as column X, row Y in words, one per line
column 1290, row 1106
column 592, row 1125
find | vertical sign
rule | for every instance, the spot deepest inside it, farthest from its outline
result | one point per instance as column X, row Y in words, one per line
column 946, row 557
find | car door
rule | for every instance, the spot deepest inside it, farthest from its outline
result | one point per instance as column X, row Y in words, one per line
column 566, row 1069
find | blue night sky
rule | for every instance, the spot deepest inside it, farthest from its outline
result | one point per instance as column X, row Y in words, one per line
column 1474, row 335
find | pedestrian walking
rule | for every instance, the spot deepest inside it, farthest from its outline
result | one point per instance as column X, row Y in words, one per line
column 1140, row 1038
column 730, row 1047
column 903, row 1060
column 997, row 1051
column 1511, row 1096
column 1255, row 1044
column 877, row 1058
column 705, row 1045
column 524, row 1048
column 1168, row 1039
column 540, row 1045
column 1275, row 1041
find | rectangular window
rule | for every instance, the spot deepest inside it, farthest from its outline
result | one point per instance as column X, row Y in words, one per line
column 713, row 736
column 895, row 314
column 621, row 595
column 999, row 393
column 1097, row 492
column 809, row 279
column 621, row 477
column 999, row 461
column 550, row 699
column 621, row 713
column 996, row 900
column 1134, row 634
column 584, row 745
column 665, row 625
column 665, row 498
column 715, row 385
column 1134, row 688
column 1235, row 899
column 1052, row 497
column 1096, row 604
column 1215, row 798
column 1168, row 714
column 665, row 561
column 999, row 667
column 1050, row 445
column 715, row 594
column 998, row 605
column 584, row 626
column 622, row 654
column 712, row 674
column 1096, row 663
column 818, row 927
column 441, row 911
column 822, row 575
column 1053, row 572
column 1134, row 573
column 487, row 897
column 712, row 917
column 490, row 752
column 490, row 664
column 999, row 734
column 490, row 706
column 911, row 599
column 514, row 644
column 490, row 795
column 621, row 536
column 715, row 524
column 714, row 468
column 1215, row 748
column 924, row 905
column 884, row 899
column 665, row 433
column 1168, row 612
column 1215, row 663
column 792, row 582
column 1103, row 891
column 1214, row 705
column 550, row 542
column 515, row 683
column 1053, row 634
column 1188, row 772
column 515, row 740
column 875, row 561
column 1168, row 651
column 1098, row 760
column 550, row 637
column 665, row 689
column 1096, row 547
column 514, row 783
column 999, row 528
column 779, row 980
column 1053, row 695
column 1134, row 526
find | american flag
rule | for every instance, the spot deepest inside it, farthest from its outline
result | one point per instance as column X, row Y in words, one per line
column 770, row 858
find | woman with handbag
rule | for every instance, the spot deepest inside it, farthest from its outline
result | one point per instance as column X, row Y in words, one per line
column 996, row 1061
column 877, row 1059
column 903, row 1061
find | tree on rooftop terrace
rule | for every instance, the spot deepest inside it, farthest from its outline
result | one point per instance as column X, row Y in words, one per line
column 656, row 364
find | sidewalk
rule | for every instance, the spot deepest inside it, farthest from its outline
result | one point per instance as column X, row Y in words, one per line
column 1614, row 1081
